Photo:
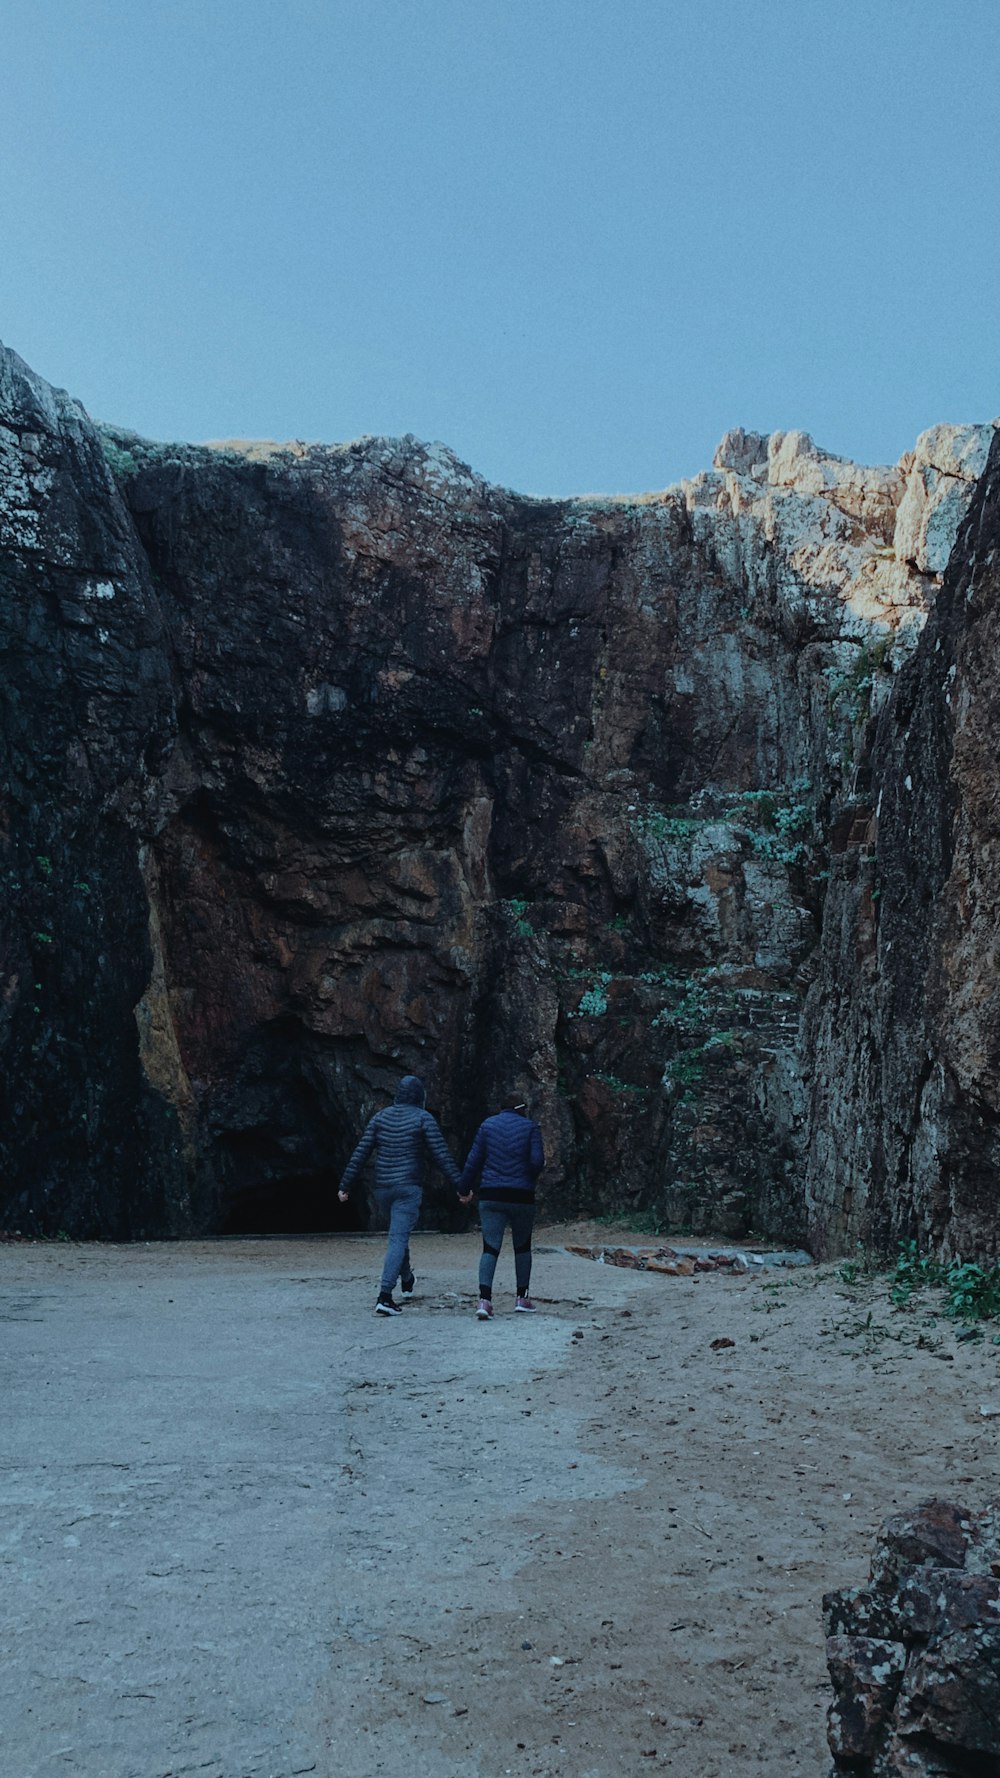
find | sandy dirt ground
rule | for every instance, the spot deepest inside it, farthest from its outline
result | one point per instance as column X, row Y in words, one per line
column 250, row 1531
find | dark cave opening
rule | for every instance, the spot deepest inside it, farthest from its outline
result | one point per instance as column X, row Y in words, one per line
column 282, row 1132
column 298, row 1204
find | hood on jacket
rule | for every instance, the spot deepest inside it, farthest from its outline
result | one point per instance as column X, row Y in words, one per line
column 410, row 1091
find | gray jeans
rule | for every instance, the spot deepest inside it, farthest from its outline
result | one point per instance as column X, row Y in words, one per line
column 494, row 1219
column 400, row 1207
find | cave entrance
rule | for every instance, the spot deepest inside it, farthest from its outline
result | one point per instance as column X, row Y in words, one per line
column 300, row 1204
column 282, row 1130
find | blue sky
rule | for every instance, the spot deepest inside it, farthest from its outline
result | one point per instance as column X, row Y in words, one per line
column 574, row 239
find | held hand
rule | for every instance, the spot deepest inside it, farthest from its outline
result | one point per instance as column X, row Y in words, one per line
column 343, row 1197
column 466, row 1200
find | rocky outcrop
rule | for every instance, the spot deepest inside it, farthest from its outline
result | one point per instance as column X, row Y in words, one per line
column 914, row 1657
column 88, row 718
column 903, row 1025
column 367, row 766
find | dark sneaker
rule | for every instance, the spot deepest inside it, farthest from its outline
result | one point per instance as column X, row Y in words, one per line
column 406, row 1287
column 386, row 1306
column 485, row 1309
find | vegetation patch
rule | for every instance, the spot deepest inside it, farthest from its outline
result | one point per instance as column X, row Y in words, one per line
column 522, row 926
column 593, row 1001
column 619, row 1086
column 853, row 688
column 777, row 822
column 969, row 1292
column 685, row 1071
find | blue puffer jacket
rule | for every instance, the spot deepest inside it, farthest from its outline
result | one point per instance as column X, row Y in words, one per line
column 401, row 1137
column 506, row 1157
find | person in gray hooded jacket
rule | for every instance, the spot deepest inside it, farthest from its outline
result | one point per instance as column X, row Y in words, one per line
column 401, row 1137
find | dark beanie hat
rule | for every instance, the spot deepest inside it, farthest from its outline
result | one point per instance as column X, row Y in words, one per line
column 410, row 1091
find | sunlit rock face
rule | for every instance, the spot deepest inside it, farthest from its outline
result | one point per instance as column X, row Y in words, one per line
column 397, row 771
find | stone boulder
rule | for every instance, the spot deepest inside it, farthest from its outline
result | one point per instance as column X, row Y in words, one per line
column 914, row 1657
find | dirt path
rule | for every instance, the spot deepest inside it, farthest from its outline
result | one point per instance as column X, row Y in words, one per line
column 250, row 1531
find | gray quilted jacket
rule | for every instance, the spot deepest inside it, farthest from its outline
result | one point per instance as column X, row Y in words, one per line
column 402, row 1138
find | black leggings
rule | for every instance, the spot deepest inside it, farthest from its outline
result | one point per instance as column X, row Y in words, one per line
column 494, row 1219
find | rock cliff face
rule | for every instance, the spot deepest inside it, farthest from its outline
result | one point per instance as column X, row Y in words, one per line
column 327, row 763
column 904, row 1018
column 88, row 713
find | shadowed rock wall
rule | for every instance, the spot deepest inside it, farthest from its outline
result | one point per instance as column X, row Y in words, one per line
column 88, row 718
column 904, row 1020
column 386, row 769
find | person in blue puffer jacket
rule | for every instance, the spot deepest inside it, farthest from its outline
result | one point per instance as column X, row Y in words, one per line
column 506, row 1158
column 400, row 1137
